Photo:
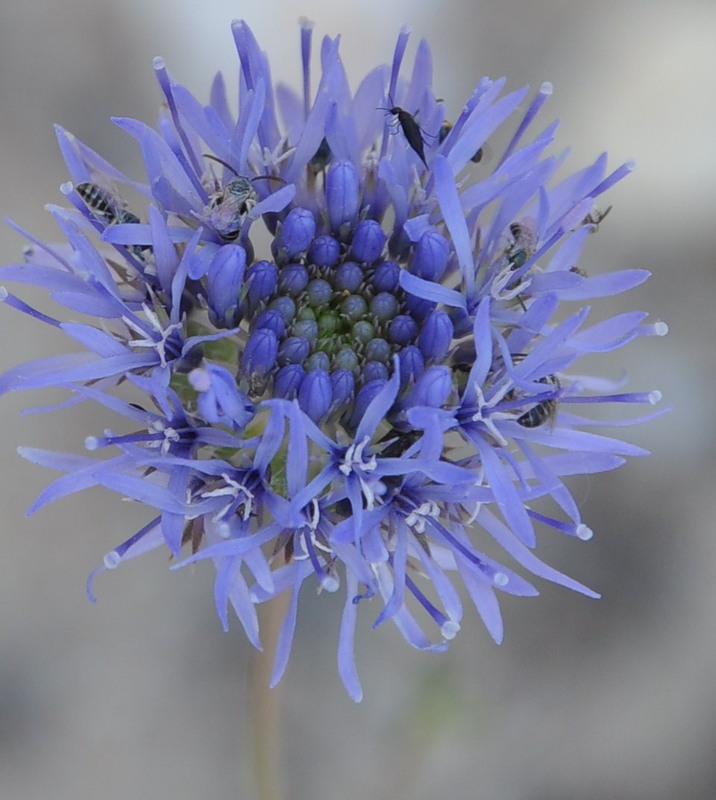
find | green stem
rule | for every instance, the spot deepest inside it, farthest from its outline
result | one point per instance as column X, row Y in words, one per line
column 267, row 761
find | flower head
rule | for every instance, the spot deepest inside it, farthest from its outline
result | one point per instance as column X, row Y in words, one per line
column 362, row 402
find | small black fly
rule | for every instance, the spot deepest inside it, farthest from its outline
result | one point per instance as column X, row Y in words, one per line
column 411, row 130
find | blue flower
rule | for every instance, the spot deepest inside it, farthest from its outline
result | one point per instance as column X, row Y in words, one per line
column 375, row 397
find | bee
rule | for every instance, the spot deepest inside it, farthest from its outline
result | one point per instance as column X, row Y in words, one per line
column 108, row 208
column 228, row 206
column 411, row 130
column 595, row 217
column 524, row 244
column 445, row 128
column 104, row 205
column 545, row 410
column 321, row 158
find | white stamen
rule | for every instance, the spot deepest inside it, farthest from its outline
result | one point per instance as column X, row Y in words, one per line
column 146, row 339
column 417, row 518
column 488, row 419
column 232, row 490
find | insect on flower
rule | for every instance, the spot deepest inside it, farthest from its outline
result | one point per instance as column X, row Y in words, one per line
column 595, row 218
column 110, row 209
column 104, row 205
column 445, row 129
column 229, row 206
column 545, row 410
column 411, row 130
column 523, row 246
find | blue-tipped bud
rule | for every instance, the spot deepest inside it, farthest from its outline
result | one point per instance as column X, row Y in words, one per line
column 318, row 292
column 418, row 307
column 288, row 381
column 364, row 399
column 348, row 277
column 262, row 280
column 386, row 276
column 224, row 280
column 354, row 307
column 342, row 197
column 271, row 319
column 294, row 236
column 374, row 371
column 294, row 350
column 378, row 350
column 285, row 307
column 293, row 279
column 436, row 336
column 259, row 356
column 368, row 241
column 218, row 398
column 344, row 386
column 433, row 388
column 431, row 256
column 318, row 360
column 363, row 331
column 316, row 394
column 383, row 306
column 346, row 359
column 412, row 365
column 306, row 328
column 324, row 252
column 403, row 330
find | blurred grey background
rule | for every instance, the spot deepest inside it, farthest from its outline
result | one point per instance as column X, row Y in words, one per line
column 143, row 695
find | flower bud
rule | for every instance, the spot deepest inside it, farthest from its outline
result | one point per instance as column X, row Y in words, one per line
column 294, row 236
column 318, row 360
column 293, row 279
column 261, row 279
column 224, row 279
column 368, row 241
column 377, row 350
column 431, row 256
column 354, row 307
column 436, row 336
column 432, row 388
column 271, row 319
column 343, row 384
column 259, row 356
column 418, row 307
column 325, row 251
column 307, row 329
column 288, row 381
column 403, row 330
column 363, row 400
column 348, row 277
column 346, row 360
column 412, row 365
column 285, row 307
column 342, row 197
column 373, row 371
column 383, row 306
column 316, row 394
column 386, row 276
column 319, row 292
column 294, row 350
